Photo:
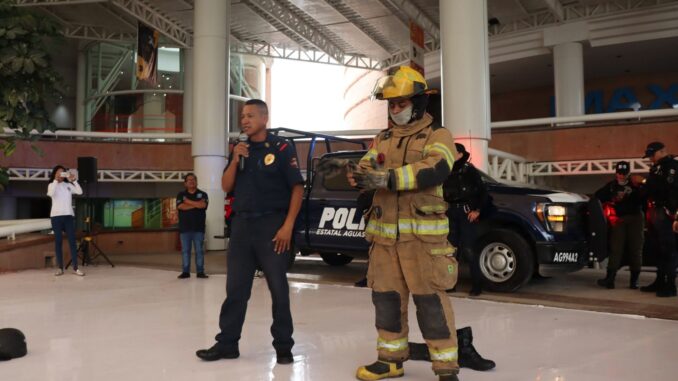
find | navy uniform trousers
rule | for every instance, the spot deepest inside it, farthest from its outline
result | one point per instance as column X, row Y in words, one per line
column 251, row 245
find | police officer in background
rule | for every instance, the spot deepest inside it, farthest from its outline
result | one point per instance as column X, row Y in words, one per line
column 661, row 188
column 265, row 175
column 626, row 223
column 467, row 195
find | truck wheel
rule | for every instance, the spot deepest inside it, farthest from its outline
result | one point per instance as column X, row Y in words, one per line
column 505, row 259
column 336, row 259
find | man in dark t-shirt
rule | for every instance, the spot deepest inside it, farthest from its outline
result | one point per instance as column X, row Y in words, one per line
column 192, row 204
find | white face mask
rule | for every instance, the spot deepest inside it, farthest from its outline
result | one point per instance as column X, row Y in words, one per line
column 403, row 117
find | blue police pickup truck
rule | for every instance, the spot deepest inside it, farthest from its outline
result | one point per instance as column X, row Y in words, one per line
column 532, row 231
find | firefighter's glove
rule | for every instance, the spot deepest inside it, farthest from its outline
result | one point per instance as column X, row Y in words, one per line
column 333, row 167
column 369, row 179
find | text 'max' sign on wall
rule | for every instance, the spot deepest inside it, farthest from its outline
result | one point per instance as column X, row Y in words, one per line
column 625, row 99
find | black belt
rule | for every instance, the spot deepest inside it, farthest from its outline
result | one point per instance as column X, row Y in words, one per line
column 260, row 214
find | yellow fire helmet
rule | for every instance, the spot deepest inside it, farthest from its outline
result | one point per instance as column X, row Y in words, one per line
column 403, row 84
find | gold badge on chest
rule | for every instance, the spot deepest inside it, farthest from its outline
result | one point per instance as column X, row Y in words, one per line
column 269, row 159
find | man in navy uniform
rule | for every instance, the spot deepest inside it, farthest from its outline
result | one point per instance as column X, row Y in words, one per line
column 269, row 191
column 662, row 189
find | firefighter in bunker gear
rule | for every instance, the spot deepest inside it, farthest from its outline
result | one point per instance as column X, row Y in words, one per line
column 407, row 165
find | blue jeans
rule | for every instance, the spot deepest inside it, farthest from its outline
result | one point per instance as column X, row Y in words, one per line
column 187, row 240
column 66, row 224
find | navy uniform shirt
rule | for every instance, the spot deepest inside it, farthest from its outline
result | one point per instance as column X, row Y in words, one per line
column 662, row 183
column 271, row 171
column 192, row 220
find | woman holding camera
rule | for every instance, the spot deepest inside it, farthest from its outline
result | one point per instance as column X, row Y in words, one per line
column 63, row 184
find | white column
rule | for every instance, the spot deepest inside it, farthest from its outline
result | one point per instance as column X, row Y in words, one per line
column 8, row 208
column 465, row 75
column 568, row 67
column 210, row 108
column 188, row 90
column 80, row 89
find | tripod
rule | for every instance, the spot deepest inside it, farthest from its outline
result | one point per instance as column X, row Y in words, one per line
column 84, row 248
column 88, row 240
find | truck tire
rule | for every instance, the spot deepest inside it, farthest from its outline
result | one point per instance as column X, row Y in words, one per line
column 506, row 260
column 336, row 259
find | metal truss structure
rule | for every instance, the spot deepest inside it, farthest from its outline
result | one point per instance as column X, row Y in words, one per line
column 363, row 25
column 263, row 49
column 557, row 13
column 104, row 175
column 88, row 32
column 284, row 18
column 407, row 10
column 504, row 167
column 139, row 9
column 584, row 167
column 315, row 42
column 153, row 17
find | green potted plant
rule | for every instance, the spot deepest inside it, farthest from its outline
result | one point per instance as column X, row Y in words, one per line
column 27, row 79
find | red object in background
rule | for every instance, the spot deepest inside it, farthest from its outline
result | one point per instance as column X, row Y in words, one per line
column 610, row 213
column 228, row 209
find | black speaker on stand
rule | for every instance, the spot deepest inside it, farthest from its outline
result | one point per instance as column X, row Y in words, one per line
column 87, row 175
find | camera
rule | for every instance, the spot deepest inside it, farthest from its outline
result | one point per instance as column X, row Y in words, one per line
column 65, row 174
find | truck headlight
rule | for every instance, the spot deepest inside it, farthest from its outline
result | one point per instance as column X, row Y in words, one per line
column 552, row 216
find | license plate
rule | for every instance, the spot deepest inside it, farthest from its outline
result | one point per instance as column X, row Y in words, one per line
column 566, row 257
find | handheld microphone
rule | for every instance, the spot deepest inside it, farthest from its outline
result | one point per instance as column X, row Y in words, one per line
column 242, row 138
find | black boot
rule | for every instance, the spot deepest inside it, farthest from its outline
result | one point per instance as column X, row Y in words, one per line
column 633, row 283
column 654, row 286
column 468, row 356
column 608, row 281
column 668, row 287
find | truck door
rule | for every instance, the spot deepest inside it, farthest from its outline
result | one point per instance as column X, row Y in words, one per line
column 334, row 221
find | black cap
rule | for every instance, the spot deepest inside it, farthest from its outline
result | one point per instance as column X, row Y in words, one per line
column 652, row 148
column 623, row 167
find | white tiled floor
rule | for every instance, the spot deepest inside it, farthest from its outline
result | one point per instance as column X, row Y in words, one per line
column 138, row 324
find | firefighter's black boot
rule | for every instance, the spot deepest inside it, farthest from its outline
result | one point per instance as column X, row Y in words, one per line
column 608, row 281
column 468, row 356
column 654, row 286
column 633, row 283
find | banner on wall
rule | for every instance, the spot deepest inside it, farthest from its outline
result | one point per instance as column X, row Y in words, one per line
column 147, row 53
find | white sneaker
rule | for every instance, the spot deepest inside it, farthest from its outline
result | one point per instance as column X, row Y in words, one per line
column 79, row 272
column 59, row 272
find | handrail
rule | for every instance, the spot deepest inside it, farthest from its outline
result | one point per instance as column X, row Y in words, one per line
column 624, row 115
column 505, row 155
column 24, row 226
column 107, row 135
